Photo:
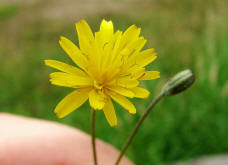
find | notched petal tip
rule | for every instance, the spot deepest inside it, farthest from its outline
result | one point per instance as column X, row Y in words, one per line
column 58, row 115
column 134, row 26
column 146, row 96
column 159, row 75
column 61, row 38
column 46, row 62
column 132, row 111
column 152, row 50
column 155, row 56
column 141, row 92
column 97, row 108
column 51, row 75
column 113, row 125
column 82, row 21
column 106, row 21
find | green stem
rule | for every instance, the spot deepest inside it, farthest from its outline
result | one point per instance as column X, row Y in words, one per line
column 93, row 136
column 133, row 133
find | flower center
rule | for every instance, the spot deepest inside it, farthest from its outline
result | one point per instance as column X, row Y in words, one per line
column 97, row 85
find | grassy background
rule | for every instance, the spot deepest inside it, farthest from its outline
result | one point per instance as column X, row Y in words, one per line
column 186, row 34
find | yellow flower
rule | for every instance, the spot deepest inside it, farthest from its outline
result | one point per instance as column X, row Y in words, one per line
column 110, row 65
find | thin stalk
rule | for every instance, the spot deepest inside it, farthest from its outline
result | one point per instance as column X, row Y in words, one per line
column 93, row 136
column 143, row 117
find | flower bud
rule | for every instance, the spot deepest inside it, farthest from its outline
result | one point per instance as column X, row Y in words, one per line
column 180, row 82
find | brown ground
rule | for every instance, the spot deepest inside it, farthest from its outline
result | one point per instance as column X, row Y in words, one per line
column 66, row 9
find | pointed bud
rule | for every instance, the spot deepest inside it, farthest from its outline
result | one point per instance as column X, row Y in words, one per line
column 179, row 83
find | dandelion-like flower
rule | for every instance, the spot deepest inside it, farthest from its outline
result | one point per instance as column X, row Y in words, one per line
column 109, row 67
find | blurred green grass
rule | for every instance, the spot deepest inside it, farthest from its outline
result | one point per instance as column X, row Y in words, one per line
column 189, row 34
column 7, row 11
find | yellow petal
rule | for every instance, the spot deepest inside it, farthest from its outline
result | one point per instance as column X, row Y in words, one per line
column 110, row 51
column 146, row 57
column 85, row 35
column 123, row 101
column 140, row 92
column 64, row 67
column 95, row 57
column 129, row 54
column 127, row 82
column 110, row 113
column 136, row 45
column 115, row 47
column 60, row 82
column 83, row 29
column 68, row 80
column 122, row 91
column 149, row 75
column 129, row 36
column 73, row 52
column 96, row 99
column 131, row 61
column 137, row 73
column 71, row 102
column 106, row 30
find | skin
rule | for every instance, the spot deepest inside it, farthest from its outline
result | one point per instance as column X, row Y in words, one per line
column 26, row 141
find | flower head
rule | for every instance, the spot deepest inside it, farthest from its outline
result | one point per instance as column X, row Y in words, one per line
column 109, row 67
